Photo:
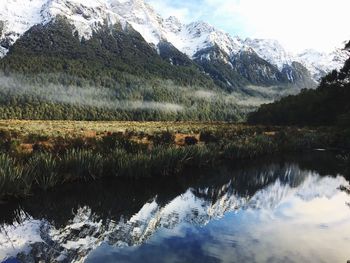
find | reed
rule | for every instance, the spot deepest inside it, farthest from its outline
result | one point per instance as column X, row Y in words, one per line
column 42, row 169
column 12, row 181
column 81, row 164
column 131, row 154
column 249, row 149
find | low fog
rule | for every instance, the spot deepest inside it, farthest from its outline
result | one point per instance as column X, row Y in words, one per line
column 86, row 96
column 180, row 98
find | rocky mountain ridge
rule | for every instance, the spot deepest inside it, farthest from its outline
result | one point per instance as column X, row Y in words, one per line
column 197, row 40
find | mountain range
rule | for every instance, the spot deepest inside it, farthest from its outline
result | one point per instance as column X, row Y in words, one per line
column 196, row 40
column 129, row 37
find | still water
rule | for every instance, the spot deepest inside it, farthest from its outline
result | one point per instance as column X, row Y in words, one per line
column 285, row 209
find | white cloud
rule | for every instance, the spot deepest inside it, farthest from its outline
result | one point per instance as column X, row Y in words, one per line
column 297, row 24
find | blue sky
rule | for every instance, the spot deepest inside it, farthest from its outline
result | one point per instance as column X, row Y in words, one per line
column 297, row 24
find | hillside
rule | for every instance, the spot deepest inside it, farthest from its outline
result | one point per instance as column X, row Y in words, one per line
column 327, row 105
column 120, row 60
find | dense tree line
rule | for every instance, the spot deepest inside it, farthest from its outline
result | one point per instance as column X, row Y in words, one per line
column 60, row 96
column 38, row 110
column 329, row 104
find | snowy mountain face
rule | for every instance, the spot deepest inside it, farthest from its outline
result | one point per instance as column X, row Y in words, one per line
column 271, row 51
column 17, row 16
column 321, row 63
column 197, row 36
column 87, row 16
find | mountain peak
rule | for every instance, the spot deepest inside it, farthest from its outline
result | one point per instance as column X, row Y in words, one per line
column 18, row 16
column 321, row 63
column 201, row 27
column 173, row 21
column 270, row 50
column 173, row 24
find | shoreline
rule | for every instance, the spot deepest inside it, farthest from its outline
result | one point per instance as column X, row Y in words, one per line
column 31, row 161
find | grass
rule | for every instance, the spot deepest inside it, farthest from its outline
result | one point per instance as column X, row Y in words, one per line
column 42, row 155
column 45, row 170
column 12, row 178
column 100, row 128
column 42, row 170
column 82, row 165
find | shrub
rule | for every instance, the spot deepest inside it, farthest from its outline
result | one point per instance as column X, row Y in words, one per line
column 190, row 140
column 165, row 137
column 208, row 137
column 118, row 141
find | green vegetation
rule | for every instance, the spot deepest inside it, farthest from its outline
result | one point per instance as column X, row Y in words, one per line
column 327, row 105
column 45, row 170
column 141, row 101
column 34, row 159
column 12, row 178
column 52, row 74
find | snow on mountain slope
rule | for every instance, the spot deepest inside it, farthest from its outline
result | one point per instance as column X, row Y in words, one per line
column 142, row 18
column 17, row 16
column 86, row 16
column 197, row 36
column 270, row 50
column 321, row 63
column 316, row 62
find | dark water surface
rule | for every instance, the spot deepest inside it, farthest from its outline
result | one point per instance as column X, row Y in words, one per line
column 281, row 209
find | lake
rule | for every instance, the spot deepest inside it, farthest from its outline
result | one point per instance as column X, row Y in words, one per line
column 292, row 208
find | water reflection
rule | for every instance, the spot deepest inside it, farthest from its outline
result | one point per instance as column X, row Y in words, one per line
column 265, row 211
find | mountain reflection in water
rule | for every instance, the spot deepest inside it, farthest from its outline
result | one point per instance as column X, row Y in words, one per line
column 284, row 210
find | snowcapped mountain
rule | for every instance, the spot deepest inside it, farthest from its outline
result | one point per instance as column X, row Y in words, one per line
column 17, row 16
column 197, row 36
column 320, row 64
column 270, row 50
column 87, row 16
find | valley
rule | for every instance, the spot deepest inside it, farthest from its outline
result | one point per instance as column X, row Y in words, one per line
column 112, row 60
column 135, row 131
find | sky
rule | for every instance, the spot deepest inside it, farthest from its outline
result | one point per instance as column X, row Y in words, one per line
column 297, row 24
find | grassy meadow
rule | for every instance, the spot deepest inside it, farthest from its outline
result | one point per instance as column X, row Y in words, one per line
column 39, row 155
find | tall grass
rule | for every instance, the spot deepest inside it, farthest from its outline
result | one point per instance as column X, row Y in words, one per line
column 160, row 161
column 12, row 181
column 81, row 165
column 43, row 169
column 249, row 149
column 119, row 156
